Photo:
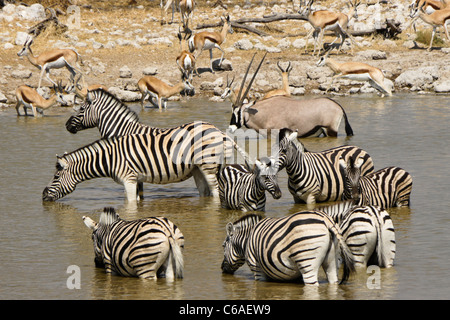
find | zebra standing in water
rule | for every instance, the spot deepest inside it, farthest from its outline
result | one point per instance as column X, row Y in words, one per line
column 195, row 149
column 114, row 119
column 388, row 187
column 144, row 248
column 241, row 189
column 315, row 176
column 287, row 248
column 367, row 230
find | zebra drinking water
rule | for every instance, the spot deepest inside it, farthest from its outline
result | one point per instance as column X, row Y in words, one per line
column 114, row 119
column 315, row 176
column 287, row 248
column 387, row 187
column 195, row 149
column 241, row 189
column 367, row 230
column 144, row 248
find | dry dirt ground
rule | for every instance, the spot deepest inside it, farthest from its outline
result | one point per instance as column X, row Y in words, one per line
column 102, row 23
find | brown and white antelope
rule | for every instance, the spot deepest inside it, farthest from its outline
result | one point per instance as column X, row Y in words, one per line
column 29, row 98
column 186, row 9
column 51, row 59
column 207, row 40
column 358, row 71
column 439, row 18
column 230, row 91
column 284, row 91
column 81, row 91
column 158, row 89
column 324, row 20
column 186, row 60
column 164, row 8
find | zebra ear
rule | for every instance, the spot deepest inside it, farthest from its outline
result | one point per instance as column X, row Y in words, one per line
column 230, row 229
column 359, row 162
column 342, row 163
column 89, row 96
column 60, row 162
column 293, row 135
column 91, row 224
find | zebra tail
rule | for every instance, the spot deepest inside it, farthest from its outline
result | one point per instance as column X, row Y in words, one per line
column 348, row 128
column 177, row 258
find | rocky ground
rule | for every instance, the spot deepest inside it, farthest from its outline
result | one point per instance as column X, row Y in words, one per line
column 121, row 42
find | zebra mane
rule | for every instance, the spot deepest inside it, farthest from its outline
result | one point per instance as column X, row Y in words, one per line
column 118, row 104
column 108, row 216
column 248, row 219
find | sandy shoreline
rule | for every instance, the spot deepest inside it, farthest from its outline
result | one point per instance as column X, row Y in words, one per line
column 131, row 37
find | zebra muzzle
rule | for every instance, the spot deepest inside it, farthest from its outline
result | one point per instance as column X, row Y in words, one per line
column 46, row 196
column 70, row 126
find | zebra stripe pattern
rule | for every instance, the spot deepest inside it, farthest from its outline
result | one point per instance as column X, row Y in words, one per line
column 144, row 248
column 315, row 176
column 114, row 119
column 368, row 232
column 387, row 187
column 194, row 149
column 241, row 189
column 288, row 248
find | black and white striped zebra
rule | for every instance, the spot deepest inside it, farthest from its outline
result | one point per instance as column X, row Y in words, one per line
column 242, row 189
column 367, row 230
column 114, row 119
column 289, row 248
column 387, row 187
column 195, row 149
column 144, row 248
column 315, row 176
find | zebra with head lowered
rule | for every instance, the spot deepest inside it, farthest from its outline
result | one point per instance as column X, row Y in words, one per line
column 114, row 119
column 241, row 189
column 387, row 187
column 367, row 230
column 144, row 248
column 171, row 155
column 315, row 176
column 286, row 249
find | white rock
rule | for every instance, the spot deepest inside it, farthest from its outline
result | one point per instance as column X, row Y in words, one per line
column 21, row 37
column 243, row 44
column 124, row 95
column 442, row 86
column 125, row 72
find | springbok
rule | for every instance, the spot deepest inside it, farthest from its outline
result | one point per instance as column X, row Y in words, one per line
column 81, row 91
column 186, row 8
column 230, row 91
column 29, row 98
column 164, row 8
column 160, row 90
column 284, row 91
column 358, row 71
column 310, row 117
column 323, row 20
column 51, row 59
column 439, row 18
column 186, row 60
column 207, row 40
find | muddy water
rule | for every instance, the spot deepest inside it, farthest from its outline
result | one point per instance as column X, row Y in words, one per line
column 40, row 241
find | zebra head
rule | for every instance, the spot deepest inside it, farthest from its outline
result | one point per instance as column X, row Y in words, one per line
column 63, row 181
column 267, row 176
column 286, row 148
column 99, row 231
column 236, row 241
column 86, row 116
column 352, row 169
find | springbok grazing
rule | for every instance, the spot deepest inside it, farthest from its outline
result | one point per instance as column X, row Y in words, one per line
column 207, row 40
column 186, row 9
column 439, row 18
column 324, row 20
column 30, row 98
column 51, row 59
column 284, row 91
column 310, row 117
column 81, row 91
column 186, row 60
column 160, row 90
column 358, row 71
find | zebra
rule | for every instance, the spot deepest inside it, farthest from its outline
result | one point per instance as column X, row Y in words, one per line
column 194, row 149
column 315, row 176
column 146, row 248
column 288, row 248
column 387, row 187
column 114, row 119
column 242, row 189
column 367, row 230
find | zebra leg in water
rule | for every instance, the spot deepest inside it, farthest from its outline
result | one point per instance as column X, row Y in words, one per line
column 206, row 180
